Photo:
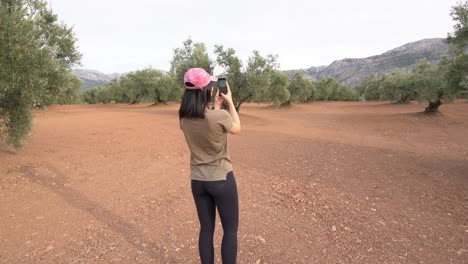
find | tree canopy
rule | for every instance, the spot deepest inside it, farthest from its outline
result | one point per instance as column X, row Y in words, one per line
column 36, row 55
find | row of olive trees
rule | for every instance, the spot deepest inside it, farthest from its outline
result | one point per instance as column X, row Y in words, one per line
column 150, row 85
column 397, row 87
column 146, row 85
column 435, row 84
column 303, row 89
column 36, row 55
column 260, row 80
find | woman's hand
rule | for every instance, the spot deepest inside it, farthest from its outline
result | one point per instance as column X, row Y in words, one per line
column 228, row 95
column 236, row 126
column 218, row 101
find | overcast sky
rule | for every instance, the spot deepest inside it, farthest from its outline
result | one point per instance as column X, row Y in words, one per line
column 121, row 36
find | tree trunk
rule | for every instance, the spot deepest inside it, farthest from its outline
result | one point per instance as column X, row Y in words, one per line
column 158, row 100
column 237, row 107
column 241, row 101
column 433, row 106
column 404, row 99
column 287, row 103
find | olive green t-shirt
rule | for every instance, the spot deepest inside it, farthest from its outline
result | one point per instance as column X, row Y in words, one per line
column 207, row 141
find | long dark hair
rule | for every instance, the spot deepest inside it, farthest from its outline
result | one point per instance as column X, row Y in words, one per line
column 195, row 102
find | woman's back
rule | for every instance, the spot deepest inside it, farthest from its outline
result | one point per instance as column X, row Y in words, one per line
column 207, row 140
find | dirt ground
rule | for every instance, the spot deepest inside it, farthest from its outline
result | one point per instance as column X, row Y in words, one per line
column 318, row 183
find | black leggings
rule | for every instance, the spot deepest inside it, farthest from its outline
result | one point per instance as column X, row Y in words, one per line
column 208, row 196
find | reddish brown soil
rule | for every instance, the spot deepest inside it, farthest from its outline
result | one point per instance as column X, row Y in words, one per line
column 318, row 183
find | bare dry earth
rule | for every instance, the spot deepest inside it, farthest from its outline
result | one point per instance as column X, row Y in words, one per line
column 318, row 183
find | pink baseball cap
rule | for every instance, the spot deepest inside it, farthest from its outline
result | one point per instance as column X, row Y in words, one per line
column 197, row 79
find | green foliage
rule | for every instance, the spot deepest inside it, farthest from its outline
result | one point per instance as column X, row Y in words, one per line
column 432, row 84
column 138, row 84
column 459, row 38
column 258, row 78
column 255, row 82
column 118, row 91
column 329, row 89
column 69, row 91
column 104, row 95
column 36, row 54
column 190, row 55
column 323, row 89
column 449, row 80
column 428, row 80
column 347, row 93
column 399, row 87
column 278, row 92
column 16, row 122
column 146, row 85
column 371, row 87
column 233, row 71
column 435, row 84
column 457, row 70
column 301, row 88
column 90, row 96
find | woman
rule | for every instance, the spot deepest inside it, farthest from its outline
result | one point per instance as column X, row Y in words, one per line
column 213, row 183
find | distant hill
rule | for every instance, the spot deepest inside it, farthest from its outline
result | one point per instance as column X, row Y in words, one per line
column 353, row 71
column 93, row 78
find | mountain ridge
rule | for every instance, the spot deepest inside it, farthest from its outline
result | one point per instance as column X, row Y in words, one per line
column 352, row 71
column 92, row 78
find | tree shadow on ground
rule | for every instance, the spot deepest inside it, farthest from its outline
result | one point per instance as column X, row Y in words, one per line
column 58, row 184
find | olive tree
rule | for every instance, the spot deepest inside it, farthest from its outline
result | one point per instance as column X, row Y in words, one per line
column 449, row 80
column 301, row 88
column 36, row 55
column 190, row 55
column 254, row 81
column 278, row 92
column 432, row 85
column 399, row 87
column 457, row 73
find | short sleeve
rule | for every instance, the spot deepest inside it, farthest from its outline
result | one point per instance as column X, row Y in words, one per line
column 225, row 121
